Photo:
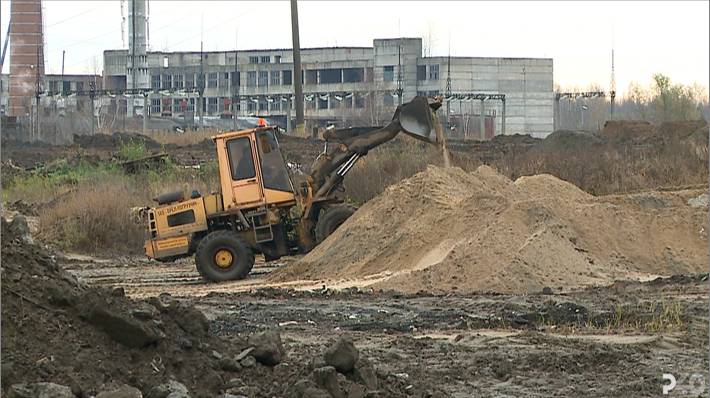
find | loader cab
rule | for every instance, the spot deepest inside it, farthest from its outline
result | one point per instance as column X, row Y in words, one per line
column 252, row 169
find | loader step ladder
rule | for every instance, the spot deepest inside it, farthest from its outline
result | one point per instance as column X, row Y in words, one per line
column 262, row 233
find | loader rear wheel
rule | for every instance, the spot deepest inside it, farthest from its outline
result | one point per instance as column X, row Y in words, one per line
column 224, row 256
column 331, row 219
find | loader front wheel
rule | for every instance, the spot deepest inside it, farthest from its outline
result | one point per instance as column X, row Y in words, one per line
column 224, row 256
column 331, row 219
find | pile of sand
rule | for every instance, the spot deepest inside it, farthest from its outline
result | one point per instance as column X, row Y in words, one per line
column 445, row 229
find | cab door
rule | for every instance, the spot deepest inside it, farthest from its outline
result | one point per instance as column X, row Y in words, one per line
column 243, row 174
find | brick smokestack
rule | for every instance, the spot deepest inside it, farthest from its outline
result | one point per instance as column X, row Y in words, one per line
column 26, row 54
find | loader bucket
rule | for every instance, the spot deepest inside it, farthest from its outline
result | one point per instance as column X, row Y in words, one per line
column 417, row 119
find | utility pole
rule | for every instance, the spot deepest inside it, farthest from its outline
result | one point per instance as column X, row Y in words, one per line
column 298, row 87
column 37, row 92
column 92, row 95
column 448, row 91
column 63, row 54
column 133, row 59
column 201, row 89
column 613, row 86
column 235, row 84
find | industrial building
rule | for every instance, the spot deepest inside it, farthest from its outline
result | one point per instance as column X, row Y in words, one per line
column 360, row 84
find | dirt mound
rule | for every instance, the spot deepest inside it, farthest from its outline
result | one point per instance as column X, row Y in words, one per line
column 626, row 130
column 92, row 340
column 564, row 140
column 114, row 140
column 445, row 229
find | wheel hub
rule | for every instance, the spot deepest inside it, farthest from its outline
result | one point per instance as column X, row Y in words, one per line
column 223, row 258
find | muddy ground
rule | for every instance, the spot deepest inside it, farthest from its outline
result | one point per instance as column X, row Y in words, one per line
column 602, row 342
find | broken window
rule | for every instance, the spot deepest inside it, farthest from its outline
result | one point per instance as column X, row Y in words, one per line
column 263, row 78
column 155, row 105
column 266, row 59
column 253, row 60
column 167, row 82
column 178, row 81
column 433, row 72
column 176, row 105
column 322, row 102
column 277, row 59
column 251, row 79
column 353, row 75
column 235, row 77
column 329, row 76
column 421, row 72
column 224, row 79
column 287, row 77
column 312, row 76
column 212, row 80
column 154, row 82
column 359, row 101
column 388, row 73
column 212, row 105
column 276, row 78
column 79, row 86
column 263, row 105
column 189, row 80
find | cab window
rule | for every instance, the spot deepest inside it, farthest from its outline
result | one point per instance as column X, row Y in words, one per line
column 273, row 167
column 240, row 158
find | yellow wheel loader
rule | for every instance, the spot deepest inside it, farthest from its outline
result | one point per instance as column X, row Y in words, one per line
column 257, row 208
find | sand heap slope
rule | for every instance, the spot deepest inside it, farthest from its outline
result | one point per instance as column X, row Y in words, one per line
column 446, row 229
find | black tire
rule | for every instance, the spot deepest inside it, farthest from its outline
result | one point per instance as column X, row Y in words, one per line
column 331, row 219
column 242, row 257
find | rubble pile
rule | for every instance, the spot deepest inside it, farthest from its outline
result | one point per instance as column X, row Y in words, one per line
column 62, row 338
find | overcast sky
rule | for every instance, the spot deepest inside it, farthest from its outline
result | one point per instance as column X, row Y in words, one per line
column 648, row 37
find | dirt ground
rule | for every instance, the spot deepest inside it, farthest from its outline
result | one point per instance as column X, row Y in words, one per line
column 597, row 342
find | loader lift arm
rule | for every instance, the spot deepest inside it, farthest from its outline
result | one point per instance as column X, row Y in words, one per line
column 416, row 118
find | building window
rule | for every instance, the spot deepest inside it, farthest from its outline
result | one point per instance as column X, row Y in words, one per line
column 388, row 73
column 167, row 81
column 165, row 62
column 277, row 59
column 191, row 105
column 287, row 77
column 353, row 75
column 322, row 103
column 266, row 59
column 388, row 100
column 53, row 86
column 66, row 86
column 212, row 105
column 155, row 105
column 263, row 105
column 263, row 78
column 235, row 77
column 433, row 93
column 189, row 80
column 251, row 79
column 253, row 60
column 359, row 101
column 155, row 82
column 421, row 72
column 433, row 72
column 312, row 76
column 275, row 78
column 421, row 93
column 79, row 86
column 212, row 80
column 251, row 106
column 176, row 105
column 330, row 76
column 178, row 81
column 276, row 105
column 224, row 79
column 311, row 104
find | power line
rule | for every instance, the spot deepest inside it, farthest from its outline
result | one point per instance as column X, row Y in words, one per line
column 71, row 17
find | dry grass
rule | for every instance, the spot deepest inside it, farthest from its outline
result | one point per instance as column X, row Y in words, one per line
column 94, row 218
column 181, row 139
